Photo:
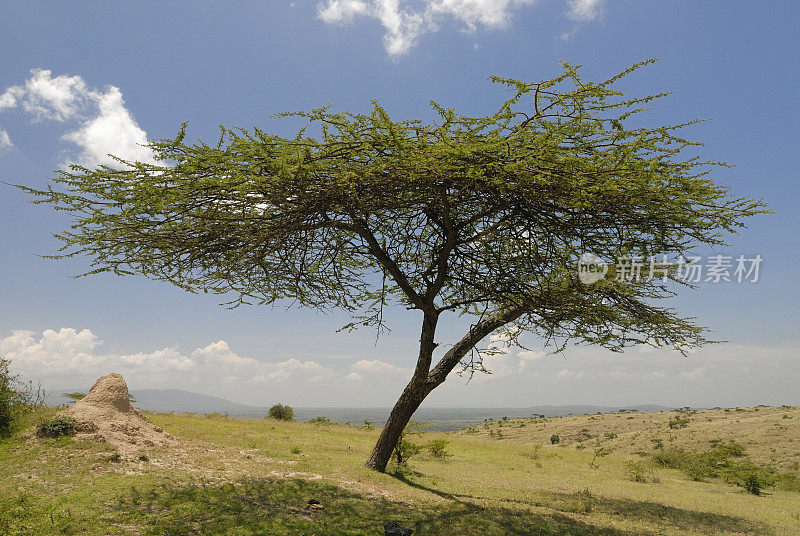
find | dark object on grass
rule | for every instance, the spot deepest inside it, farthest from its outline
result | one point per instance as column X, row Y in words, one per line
column 313, row 504
column 56, row 427
column 392, row 528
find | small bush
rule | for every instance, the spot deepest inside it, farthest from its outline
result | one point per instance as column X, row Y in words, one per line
column 58, row 426
column 281, row 412
column 16, row 398
column 671, row 459
column 296, row 450
column 639, row 472
column 368, row 424
column 438, row 449
column 143, row 458
column 8, row 397
column 405, row 448
column 678, row 422
column 752, row 483
column 114, row 458
column 751, row 478
column 320, row 420
column 554, row 439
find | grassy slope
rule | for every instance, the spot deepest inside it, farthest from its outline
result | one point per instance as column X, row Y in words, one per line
column 234, row 476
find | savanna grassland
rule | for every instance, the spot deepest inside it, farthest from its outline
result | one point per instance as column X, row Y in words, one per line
column 670, row 473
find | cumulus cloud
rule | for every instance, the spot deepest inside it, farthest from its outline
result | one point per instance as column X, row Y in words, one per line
column 376, row 370
column 46, row 97
column 69, row 353
column 403, row 25
column 112, row 132
column 292, row 369
column 105, row 125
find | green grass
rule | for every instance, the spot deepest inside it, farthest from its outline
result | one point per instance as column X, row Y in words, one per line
column 246, row 477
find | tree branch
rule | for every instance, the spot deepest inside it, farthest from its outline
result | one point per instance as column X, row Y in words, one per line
column 389, row 265
column 480, row 330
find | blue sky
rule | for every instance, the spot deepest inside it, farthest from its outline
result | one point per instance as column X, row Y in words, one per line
column 123, row 72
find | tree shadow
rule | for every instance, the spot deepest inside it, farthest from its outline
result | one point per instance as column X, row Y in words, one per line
column 585, row 503
column 275, row 506
column 703, row 522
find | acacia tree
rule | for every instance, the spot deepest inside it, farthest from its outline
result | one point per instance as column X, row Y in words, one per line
column 480, row 217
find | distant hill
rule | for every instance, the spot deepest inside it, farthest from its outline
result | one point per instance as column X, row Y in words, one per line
column 177, row 400
column 563, row 411
column 444, row 419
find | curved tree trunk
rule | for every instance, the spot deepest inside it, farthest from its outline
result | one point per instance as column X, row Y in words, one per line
column 426, row 379
column 413, row 395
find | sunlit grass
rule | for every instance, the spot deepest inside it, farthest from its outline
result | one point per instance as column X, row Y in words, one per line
column 238, row 476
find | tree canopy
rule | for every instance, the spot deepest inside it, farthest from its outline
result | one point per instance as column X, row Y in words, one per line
column 483, row 217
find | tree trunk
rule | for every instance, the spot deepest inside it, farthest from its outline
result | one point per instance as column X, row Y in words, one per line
column 413, row 395
column 426, row 380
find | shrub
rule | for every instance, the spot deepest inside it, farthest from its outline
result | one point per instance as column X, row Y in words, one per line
column 671, row 459
column 143, row 457
column 678, row 422
column 320, row 420
column 8, row 397
column 16, row 398
column 114, row 458
column 296, row 450
column 405, row 448
column 438, row 449
column 368, row 424
column 731, row 449
column 554, row 439
column 723, row 460
column 639, row 472
column 58, row 426
column 750, row 477
column 281, row 412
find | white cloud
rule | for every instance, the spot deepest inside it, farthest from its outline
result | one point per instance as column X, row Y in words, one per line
column 8, row 99
column 343, row 10
column 527, row 357
column 46, row 97
column 105, row 125
column 375, row 367
column 584, row 10
column 473, row 13
column 72, row 353
column 404, row 25
column 112, row 132
column 293, row 369
column 5, row 140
